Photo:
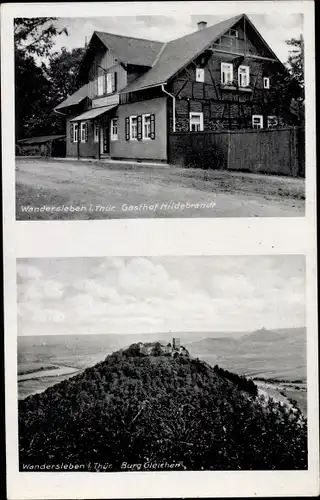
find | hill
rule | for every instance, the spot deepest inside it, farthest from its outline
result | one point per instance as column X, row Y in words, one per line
column 279, row 354
column 160, row 411
column 264, row 335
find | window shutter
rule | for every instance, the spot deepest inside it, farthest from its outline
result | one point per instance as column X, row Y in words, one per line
column 139, row 120
column 114, row 82
column 71, row 132
column 127, row 129
column 152, row 127
column 86, row 132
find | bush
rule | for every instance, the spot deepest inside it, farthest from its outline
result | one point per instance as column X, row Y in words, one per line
column 138, row 408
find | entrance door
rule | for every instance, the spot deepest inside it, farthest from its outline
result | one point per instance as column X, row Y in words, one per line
column 104, row 139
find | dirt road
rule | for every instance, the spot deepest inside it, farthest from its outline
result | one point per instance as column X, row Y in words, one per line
column 67, row 190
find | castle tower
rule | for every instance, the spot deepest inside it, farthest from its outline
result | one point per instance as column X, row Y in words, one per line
column 175, row 343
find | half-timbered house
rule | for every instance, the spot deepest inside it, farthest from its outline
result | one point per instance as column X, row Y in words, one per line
column 134, row 93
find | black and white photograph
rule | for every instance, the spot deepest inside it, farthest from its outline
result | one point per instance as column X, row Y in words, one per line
column 148, row 116
column 163, row 363
column 161, row 336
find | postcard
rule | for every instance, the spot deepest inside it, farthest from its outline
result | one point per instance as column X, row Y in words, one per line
column 160, row 298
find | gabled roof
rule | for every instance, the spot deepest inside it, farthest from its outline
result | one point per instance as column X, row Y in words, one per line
column 94, row 112
column 164, row 59
column 130, row 50
column 178, row 53
column 40, row 140
column 74, row 98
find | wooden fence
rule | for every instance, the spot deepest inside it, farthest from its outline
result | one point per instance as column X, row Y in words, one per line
column 274, row 151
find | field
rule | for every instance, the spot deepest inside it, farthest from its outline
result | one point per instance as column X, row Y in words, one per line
column 45, row 360
column 80, row 190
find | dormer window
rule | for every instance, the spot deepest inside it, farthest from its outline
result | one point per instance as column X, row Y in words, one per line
column 106, row 83
column 199, row 75
column 100, row 85
column 109, row 83
column 226, row 73
column 243, row 76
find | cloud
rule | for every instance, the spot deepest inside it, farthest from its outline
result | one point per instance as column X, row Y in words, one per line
column 25, row 271
column 40, row 289
column 157, row 21
column 274, row 28
column 130, row 295
column 238, row 285
column 37, row 314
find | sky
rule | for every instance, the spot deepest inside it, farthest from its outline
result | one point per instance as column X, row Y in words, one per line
column 274, row 28
column 160, row 294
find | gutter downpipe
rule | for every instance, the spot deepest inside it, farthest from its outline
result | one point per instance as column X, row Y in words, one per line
column 173, row 105
column 78, row 142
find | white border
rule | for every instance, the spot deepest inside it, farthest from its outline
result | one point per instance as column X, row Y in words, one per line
column 156, row 237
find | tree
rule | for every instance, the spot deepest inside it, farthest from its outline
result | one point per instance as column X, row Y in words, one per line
column 62, row 73
column 286, row 96
column 33, row 40
column 34, row 36
column 40, row 85
column 296, row 67
column 32, row 89
column 296, row 60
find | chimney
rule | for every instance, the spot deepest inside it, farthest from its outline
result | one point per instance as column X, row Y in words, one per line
column 202, row 25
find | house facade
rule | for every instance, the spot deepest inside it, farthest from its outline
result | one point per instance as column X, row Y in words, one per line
column 133, row 93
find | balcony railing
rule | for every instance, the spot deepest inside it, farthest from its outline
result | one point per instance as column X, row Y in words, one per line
column 234, row 85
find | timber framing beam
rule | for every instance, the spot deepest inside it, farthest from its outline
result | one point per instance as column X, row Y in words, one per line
column 242, row 54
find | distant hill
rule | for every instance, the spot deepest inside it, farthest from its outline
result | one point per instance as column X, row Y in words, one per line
column 160, row 411
column 264, row 335
column 208, row 345
column 264, row 353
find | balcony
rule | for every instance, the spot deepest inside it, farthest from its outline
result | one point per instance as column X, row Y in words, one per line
column 233, row 85
column 228, row 86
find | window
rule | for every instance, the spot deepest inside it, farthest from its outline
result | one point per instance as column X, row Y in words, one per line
column 196, row 122
column 140, row 127
column 234, row 33
column 133, row 128
column 74, row 136
column 266, row 82
column 226, row 73
column 96, row 132
column 146, row 126
column 272, row 121
column 243, row 76
column 199, row 75
column 100, row 85
column 83, row 132
column 257, row 121
column 109, row 83
column 114, row 129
